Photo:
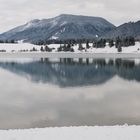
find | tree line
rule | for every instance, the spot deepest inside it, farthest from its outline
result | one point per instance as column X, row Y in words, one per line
column 8, row 41
column 67, row 45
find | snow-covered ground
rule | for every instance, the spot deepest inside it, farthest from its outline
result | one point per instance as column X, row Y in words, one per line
column 24, row 50
column 18, row 47
column 27, row 47
column 107, row 49
column 74, row 133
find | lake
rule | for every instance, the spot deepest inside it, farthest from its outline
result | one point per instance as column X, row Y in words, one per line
column 45, row 92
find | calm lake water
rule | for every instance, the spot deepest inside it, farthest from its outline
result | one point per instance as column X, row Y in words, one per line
column 68, row 92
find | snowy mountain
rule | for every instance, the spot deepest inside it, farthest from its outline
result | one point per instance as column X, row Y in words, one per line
column 60, row 27
column 125, row 30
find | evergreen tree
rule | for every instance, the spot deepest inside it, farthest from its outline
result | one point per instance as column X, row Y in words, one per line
column 118, row 42
column 80, row 47
column 119, row 48
column 47, row 49
column 42, row 49
column 87, row 45
column 131, row 41
column 111, row 43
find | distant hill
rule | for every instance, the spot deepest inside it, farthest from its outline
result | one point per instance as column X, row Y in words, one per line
column 125, row 30
column 61, row 27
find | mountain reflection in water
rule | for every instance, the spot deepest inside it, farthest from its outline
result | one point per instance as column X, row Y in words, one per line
column 69, row 92
column 72, row 73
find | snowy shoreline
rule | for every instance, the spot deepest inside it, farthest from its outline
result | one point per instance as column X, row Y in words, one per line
column 25, row 50
column 69, row 55
column 74, row 133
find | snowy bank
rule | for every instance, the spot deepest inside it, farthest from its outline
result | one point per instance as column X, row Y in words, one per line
column 25, row 50
column 9, row 47
column 70, row 55
column 74, row 133
column 27, row 47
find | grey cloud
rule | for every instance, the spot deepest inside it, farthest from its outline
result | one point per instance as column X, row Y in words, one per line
column 15, row 12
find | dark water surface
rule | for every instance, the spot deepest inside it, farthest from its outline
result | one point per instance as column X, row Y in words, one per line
column 68, row 92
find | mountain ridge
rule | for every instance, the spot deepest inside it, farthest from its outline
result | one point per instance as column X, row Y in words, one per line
column 125, row 30
column 67, row 26
column 64, row 26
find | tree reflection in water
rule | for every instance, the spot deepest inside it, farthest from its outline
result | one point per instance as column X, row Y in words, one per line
column 75, row 72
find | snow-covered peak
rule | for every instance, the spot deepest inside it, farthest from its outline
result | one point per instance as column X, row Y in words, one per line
column 68, row 26
column 32, row 23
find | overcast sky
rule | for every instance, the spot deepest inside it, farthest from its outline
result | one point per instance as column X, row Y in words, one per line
column 17, row 12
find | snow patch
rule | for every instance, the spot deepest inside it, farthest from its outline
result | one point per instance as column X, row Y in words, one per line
column 54, row 37
column 53, row 23
column 9, row 47
column 74, row 133
column 97, row 36
column 64, row 23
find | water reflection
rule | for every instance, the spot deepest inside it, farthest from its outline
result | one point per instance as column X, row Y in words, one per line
column 69, row 92
column 72, row 73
